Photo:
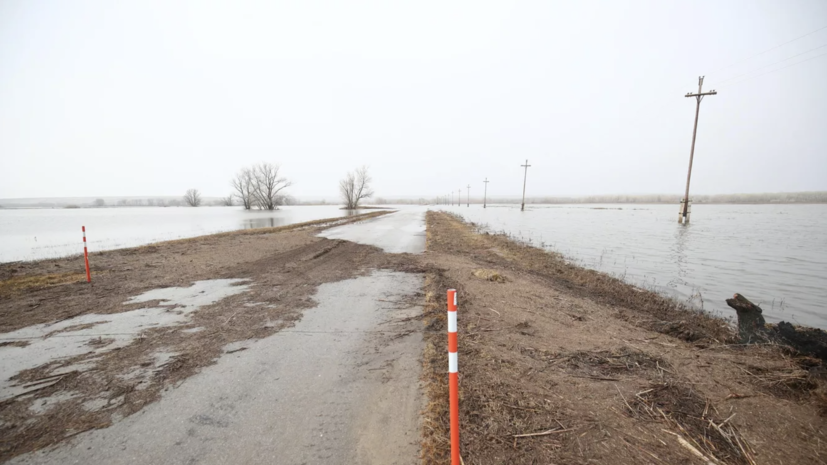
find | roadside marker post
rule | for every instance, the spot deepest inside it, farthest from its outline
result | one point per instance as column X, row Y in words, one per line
column 453, row 376
column 86, row 256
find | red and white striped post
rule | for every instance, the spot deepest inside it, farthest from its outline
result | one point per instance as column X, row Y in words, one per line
column 86, row 256
column 453, row 375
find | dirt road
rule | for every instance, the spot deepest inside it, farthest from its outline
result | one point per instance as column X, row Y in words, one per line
column 307, row 351
column 334, row 388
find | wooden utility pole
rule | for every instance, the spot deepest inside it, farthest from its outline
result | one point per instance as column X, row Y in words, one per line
column 485, row 193
column 452, row 198
column 459, row 197
column 683, row 217
column 522, row 207
column 468, row 197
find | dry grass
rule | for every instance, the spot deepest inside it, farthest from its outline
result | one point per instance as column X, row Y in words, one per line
column 435, row 421
column 18, row 284
column 694, row 422
column 638, row 306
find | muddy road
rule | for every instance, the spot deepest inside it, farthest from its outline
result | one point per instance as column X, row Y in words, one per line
column 276, row 347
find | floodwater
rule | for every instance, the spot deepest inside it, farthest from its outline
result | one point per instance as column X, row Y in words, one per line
column 775, row 255
column 51, row 342
column 33, row 234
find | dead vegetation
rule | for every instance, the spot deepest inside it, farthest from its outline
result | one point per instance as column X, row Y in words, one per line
column 564, row 365
column 696, row 423
column 638, row 306
column 17, row 285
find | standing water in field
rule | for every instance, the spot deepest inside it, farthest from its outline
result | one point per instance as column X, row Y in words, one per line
column 776, row 255
column 34, row 234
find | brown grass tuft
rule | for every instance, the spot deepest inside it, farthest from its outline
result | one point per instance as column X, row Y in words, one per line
column 19, row 284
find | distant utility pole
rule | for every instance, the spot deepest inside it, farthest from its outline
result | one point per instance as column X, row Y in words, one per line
column 459, row 197
column 452, row 198
column 522, row 207
column 485, row 193
column 468, row 197
column 683, row 217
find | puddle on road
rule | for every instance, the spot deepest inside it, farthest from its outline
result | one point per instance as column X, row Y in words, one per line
column 98, row 334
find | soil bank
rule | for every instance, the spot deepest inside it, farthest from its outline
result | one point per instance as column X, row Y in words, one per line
column 559, row 364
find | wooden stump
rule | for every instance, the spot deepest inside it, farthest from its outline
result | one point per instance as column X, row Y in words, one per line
column 751, row 324
column 753, row 329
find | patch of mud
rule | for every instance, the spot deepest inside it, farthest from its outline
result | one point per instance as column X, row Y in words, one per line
column 93, row 334
column 44, row 404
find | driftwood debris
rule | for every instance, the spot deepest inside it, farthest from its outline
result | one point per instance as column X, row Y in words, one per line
column 752, row 328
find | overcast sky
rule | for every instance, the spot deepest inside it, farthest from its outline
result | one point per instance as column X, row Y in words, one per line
column 102, row 98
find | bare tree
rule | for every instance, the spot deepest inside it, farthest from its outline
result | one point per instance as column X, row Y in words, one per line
column 243, row 185
column 266, row 186
column 228, row 201
column 355, row 187
column 100, row 202
column 192, row 197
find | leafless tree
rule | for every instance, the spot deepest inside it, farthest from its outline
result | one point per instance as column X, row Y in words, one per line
column 355, row 187
column 266, row 186
column 192, row 197
column 243, row 185
column 228, row 201
column 100, row 202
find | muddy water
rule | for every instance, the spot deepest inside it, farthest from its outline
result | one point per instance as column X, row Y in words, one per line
column 775, row 255
column 33, row 234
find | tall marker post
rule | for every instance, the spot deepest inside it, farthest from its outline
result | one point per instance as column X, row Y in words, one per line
column 485, row 193
column 86, row 256
column 453, row 375
column 468, row 197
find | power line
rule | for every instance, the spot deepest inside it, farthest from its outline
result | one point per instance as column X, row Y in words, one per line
column 770, row 49
column 771, row 64
column 779, row 69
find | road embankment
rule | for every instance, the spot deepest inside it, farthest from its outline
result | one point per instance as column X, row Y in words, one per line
column 561, row 364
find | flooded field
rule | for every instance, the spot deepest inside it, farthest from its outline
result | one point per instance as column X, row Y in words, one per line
column 776, row 255
column 33, row 234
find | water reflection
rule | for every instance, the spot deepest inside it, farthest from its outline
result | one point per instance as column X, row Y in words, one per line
column 270, row 222
column 682, row 235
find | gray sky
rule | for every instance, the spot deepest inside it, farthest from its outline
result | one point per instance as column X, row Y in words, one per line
column 105, row 98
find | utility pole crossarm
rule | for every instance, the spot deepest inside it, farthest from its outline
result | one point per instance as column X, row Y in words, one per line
column 711, row 92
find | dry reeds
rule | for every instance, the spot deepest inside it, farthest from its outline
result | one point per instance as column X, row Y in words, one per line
column 694, row 422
